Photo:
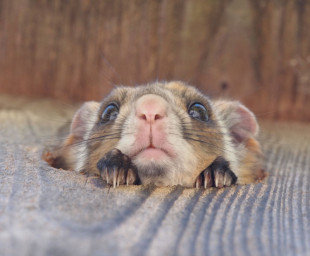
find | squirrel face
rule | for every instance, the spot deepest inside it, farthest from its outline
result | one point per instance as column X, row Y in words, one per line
column 165, row 134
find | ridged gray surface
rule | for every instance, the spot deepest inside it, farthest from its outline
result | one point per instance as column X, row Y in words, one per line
column 44, row 211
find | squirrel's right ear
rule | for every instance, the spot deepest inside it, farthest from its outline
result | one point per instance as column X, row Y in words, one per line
column 82, row 123
column 84, row 119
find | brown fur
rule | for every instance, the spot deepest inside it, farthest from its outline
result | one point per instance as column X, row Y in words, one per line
column 251, row 168
column 207, row 141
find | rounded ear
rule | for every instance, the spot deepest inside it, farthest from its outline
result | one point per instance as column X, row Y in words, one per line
column 241, row 122
column 84, row 119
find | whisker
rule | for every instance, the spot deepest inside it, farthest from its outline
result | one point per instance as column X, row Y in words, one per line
column 211, row 143
column 103, row 137
column 92, row 139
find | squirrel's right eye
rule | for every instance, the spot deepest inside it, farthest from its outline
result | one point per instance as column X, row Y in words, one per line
column 110, row 113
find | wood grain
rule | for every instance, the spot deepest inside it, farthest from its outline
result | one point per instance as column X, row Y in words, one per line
column 255, row 51
column 45, row 211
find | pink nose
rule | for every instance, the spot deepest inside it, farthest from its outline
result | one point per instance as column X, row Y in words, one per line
column 151, row 108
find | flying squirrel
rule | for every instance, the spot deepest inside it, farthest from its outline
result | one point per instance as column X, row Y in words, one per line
column 163, row 133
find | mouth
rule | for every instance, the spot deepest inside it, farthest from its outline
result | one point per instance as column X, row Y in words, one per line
column 152, row 153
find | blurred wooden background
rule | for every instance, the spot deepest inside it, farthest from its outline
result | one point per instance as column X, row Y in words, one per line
column 255, row 51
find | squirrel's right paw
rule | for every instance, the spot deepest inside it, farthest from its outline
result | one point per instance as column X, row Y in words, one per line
column 117, row 169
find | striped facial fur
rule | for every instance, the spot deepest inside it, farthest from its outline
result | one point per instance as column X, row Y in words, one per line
column 164, row 134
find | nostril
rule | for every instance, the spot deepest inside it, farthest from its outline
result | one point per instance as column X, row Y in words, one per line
column 143, row 117
column 157, row 117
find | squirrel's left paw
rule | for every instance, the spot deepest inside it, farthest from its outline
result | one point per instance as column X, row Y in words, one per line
column 218, row 175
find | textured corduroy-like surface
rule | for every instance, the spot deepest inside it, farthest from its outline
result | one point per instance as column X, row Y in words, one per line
column 45, row 211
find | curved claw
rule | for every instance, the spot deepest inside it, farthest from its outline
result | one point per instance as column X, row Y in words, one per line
column 218, row 175
column 117, row 169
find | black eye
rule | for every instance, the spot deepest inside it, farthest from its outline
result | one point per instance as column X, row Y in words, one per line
column 198, row 111
column 110, row 113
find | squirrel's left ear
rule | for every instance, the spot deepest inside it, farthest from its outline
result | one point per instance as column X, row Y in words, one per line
column 240, row 121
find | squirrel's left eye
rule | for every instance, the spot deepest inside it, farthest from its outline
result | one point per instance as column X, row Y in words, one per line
column 198, row 111
column 110, row 113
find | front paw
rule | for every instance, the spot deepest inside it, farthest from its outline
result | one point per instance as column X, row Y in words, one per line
column 117, row 169
column 218, row 175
